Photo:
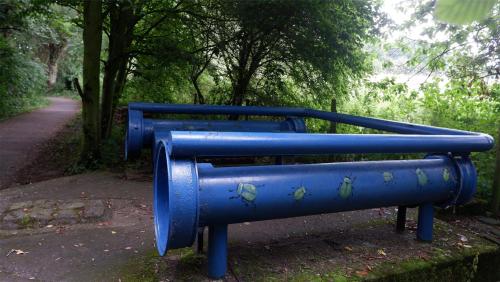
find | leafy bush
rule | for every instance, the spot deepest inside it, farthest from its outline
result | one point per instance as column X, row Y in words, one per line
column 22, row 81
column 471, row 106
column 468, row 106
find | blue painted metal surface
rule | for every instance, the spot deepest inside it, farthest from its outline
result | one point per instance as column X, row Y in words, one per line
column 190, row 195
column 288, row 125
column 425, row 222
column 190, row 143
column 140, row 130
column 380, row 124
column 217, row 250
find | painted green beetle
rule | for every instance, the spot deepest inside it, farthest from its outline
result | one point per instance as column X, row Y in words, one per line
column 345, row 190
column 247, row 191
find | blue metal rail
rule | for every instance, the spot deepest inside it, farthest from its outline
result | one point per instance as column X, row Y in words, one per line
column 223, row 144
column 380, row 124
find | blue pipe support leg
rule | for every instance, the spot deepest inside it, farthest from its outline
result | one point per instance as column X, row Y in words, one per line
column 190, row 195
column 140, row 131
column 217, row 250
column 425, row 222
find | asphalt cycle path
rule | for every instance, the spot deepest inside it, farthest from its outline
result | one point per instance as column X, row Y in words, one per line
column 21, row 136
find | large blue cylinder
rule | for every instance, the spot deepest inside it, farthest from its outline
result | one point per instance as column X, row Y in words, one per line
column 140, row 131
column 189, row 195
column 239, row 194
column 189, row 143
column 288, row 125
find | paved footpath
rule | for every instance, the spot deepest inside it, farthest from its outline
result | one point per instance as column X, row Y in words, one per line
column 20, row 136
column 75, row 228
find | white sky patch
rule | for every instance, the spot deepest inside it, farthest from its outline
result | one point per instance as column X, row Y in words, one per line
column 399, row 12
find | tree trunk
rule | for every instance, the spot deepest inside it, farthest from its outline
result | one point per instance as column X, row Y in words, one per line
column 55, row 51
column 92, row 35
column 495, row 206
column 333, row 125
column 121, row 78
column 120, row 38
column 238, row 96
column 333, row 129
column 239, row 91
column 248, row 65
column 198, row 96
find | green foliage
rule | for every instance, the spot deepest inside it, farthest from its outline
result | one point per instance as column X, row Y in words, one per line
column 461, row 52
column 457, row 104
column 112, row 148
column 158, row 83
column 22, row 81
column 474, row 107
column 463, row 11
column 256, row 52
column 27, row 36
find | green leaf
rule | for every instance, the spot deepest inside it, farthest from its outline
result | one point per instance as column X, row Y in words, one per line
column 463, row 11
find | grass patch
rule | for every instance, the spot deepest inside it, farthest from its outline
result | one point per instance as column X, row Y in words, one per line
column 470, row 264
column 10, row 107
column 151, row 267
column 27, row 221
column 144, row 269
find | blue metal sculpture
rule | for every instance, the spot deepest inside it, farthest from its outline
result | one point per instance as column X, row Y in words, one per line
column 190, row 195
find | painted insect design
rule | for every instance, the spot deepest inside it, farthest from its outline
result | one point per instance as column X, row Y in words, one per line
column 299, row 193
column 247, row 192
column 346, row 187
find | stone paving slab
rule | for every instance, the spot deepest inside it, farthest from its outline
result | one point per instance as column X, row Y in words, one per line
column 40, row 213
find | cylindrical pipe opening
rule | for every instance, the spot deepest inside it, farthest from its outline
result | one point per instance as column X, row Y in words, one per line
column 161, row 200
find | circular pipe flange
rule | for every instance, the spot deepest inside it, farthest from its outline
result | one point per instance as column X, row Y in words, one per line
column 175, row 201
column 466, row 179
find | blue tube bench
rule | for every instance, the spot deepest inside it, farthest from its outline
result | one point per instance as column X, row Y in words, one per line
column 189, row 195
